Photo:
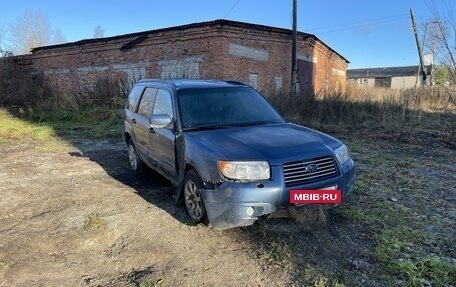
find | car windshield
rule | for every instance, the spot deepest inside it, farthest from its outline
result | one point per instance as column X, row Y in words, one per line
column 224, row 107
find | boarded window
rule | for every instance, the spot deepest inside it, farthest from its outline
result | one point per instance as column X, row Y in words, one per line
column 278, row 85
column 187, row 68
column 253, row 80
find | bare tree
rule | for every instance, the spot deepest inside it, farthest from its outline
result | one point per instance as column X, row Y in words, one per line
column 441, row 35
column 31, row 30
column 59, row 38
column 98, row 32
column 3, row 32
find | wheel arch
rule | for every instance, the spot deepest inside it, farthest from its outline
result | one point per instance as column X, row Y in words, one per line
column 127, row 137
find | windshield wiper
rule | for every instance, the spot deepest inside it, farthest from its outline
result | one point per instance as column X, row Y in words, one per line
column 227, row 126
column 257, row 123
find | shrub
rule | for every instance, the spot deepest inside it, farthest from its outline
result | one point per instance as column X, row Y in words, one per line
column 107, row 91
column 22, row 87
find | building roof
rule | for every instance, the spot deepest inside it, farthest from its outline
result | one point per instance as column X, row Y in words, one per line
column 140, row 36
column 385, row 72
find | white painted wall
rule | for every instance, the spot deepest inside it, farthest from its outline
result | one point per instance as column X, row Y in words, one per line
column 396, row 82
column 403, row 82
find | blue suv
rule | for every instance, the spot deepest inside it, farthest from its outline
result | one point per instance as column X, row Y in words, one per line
column 230, row 155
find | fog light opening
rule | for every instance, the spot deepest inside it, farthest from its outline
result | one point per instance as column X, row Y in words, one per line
column 250, row 211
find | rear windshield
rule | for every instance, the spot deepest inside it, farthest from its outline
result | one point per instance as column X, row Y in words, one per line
column 224, row 107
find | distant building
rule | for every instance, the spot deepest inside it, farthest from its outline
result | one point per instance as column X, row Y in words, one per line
column 254, row 54
column 388, row 77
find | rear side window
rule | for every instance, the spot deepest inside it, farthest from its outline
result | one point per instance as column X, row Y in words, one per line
column 133, row 97
column 147, row 102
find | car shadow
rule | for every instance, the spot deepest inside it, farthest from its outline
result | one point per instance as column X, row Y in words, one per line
column 112, row 156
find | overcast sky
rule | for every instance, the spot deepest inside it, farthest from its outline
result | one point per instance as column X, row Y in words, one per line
column 369, row 33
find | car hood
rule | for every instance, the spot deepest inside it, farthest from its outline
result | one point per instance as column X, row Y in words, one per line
column 276, row 143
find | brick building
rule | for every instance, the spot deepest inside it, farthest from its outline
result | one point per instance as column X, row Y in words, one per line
column 221, row 49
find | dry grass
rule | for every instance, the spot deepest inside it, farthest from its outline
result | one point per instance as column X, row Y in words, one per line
column 309, row 215
column 413, row 115
column 431, row 99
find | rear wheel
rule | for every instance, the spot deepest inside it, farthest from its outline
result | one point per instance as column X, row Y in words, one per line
column 133, row 159
column 193, row 200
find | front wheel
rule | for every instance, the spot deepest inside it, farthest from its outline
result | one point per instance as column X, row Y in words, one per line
column 193, row 200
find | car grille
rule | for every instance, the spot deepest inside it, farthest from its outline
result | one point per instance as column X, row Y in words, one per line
column 310, row 170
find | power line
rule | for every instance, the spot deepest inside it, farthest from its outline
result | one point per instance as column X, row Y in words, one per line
column 232, row 7
column 355, row 25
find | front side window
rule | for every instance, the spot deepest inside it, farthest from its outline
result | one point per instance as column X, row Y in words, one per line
column 147, row 102
column 163, row 104
column 237, row 106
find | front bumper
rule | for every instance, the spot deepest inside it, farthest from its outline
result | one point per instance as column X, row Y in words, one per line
column 227, row 205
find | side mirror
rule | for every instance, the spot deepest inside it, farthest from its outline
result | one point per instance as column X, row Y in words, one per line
column 161, row 121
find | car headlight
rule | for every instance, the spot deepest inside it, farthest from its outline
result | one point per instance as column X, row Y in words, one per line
column 245, row 170
column 342, row 154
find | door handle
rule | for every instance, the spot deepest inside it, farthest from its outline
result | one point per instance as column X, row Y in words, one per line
column 133, row 121
column 151, row 130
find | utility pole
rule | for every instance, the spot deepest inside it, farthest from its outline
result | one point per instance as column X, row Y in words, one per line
column 294, row 68
column 420, row 53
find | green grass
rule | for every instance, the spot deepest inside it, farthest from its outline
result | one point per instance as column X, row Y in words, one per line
column 392, row 242
column 93, row 122
column 47, row 126
column 16, row 129
column 353, row 214
column 396, row 251
column 401, row 247
column 363, row 184
column 415, row 272
column 277, row 251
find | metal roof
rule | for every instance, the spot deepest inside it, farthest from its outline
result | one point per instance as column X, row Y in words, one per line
column 386, row 72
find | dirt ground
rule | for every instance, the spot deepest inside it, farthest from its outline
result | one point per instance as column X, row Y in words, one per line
column 77, row 216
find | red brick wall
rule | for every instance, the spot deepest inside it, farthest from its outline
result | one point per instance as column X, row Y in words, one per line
column 182, row 52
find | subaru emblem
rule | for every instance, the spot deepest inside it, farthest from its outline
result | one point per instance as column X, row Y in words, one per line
column 312, row 167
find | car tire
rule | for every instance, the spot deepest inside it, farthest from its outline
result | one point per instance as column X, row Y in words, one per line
column 193, row 201
column 133, row 158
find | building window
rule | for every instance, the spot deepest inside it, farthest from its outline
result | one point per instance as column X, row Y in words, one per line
column 384, row 82
column 278, row 85
column 253, row 80
column 187, row 68
column 337, row 87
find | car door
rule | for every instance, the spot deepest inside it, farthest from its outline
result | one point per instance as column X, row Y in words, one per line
column 162, row 141
column 141, row 122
